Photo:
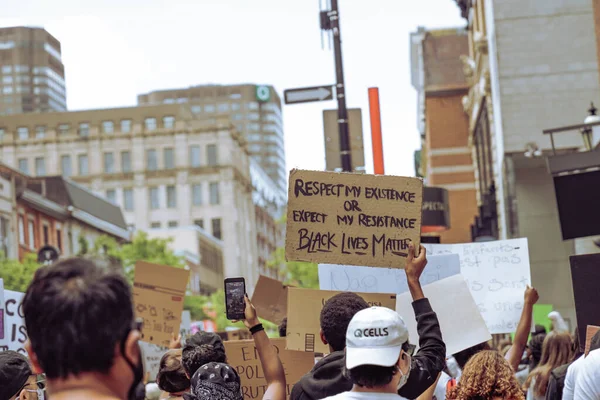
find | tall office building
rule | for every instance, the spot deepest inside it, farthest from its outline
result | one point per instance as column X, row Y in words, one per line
column 254, row 110
column 32, row 73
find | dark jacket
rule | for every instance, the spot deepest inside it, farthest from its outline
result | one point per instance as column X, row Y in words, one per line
column 326, row 378
column 556, row 383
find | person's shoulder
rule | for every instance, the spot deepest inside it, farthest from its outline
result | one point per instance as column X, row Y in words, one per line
column 339, row 396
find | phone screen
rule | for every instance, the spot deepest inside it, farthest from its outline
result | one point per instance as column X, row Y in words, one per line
column 234, row 294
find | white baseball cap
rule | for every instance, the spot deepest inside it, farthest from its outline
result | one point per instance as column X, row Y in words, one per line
column 375, row 337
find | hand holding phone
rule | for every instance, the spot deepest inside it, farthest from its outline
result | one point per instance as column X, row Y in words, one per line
column 235, row 291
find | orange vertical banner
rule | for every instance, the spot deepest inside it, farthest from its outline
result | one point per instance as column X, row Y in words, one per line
column 376, row 139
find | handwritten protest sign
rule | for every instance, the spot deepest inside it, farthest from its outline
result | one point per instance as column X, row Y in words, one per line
column 304, row 308
column 270, row 299
column 384, row 280
column 460, row 321
column 352, row 219
column 497, row 274
column 15, row 334
column 158, row 292
column 151, row 354
column 242, row 355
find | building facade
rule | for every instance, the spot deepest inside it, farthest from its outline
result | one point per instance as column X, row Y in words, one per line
column 32, row 73
column 525, row 75
column 438, row 77
column 162, row 166
column 254, row 110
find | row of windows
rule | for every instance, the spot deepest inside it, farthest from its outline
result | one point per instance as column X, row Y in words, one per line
column 170, row 198
column 216, row 230
column 108, row 127
column 66, row 162
column 27, row 234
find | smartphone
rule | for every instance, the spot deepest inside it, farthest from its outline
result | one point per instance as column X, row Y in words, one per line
column 235, row 290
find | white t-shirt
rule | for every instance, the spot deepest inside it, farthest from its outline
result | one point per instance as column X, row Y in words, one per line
column 572, row 371
column 587, row 381
column 440, row 387
column 365, row 396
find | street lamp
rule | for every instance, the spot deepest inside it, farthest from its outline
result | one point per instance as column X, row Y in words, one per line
column 587, row 132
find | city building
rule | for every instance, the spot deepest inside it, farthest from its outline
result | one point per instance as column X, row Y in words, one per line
column 254, row 110
column 54, row 211
column 526, row 75
column 162, row 166
column 203, row 255
column 32, row 75
column 446, row 160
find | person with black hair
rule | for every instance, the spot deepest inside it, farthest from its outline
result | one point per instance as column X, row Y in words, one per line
column 567, row 374
column 196, row 356
column 17, row 380
column 172, row 378
column 327, row 379
column 82, row 331
column 283, row 328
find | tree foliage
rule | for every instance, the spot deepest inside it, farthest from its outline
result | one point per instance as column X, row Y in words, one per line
column 17, row 275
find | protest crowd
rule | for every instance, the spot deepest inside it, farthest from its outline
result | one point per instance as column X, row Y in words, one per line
column 83, row 339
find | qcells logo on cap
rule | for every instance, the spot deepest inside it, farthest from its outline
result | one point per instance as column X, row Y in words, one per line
column 371, row 332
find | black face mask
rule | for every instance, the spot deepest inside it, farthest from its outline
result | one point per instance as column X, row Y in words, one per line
column 137, row 387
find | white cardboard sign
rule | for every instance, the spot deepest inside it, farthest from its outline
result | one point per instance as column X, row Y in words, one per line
column 15, row 333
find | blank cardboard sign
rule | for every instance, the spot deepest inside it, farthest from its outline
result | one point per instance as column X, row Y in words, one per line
column 352, row 219
column 158, row 292
column 270, row 299
column 304, row 312
column 585, row 272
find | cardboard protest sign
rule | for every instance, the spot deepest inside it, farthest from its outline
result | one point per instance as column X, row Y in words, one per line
column 352, row 219
column 460, row 321
column 15, row 333
column 497, row 274
column 304, row 309
column 151, row 355
column 586, row 275
column 589, row 334
column 158, row 292
column 242, row 355
column 270, row 299
column 384, row 280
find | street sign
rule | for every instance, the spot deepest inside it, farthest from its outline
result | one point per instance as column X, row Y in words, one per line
column 308, row 94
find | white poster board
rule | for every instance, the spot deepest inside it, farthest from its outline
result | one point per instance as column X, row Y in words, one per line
column 497, row 273
column 151, row 354
column 15, row 334
column 384, row 280
column 185, row 330
column 460, row 321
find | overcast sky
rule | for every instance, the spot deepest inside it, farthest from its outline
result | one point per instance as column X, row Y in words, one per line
column 116, row 49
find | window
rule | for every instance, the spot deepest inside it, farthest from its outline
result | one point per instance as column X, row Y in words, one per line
column 128, row 199
column 7, row 80
column 65, row 165
column 169, row 122
column 24, row 165
column 199, row 222
column 214, row 193
column 21, row 229
column 7, row 69
column 31, row 234
column 1, row 134
column 209, row 108
column 254, row 126
column 172, row 224
column 64, row 129
column 150, row 124
column 253, row 116
column 40, row 132
column 82, row 162
column 211, row 154
column 197, row 194
column 154, row 202
column 155, row 225
column 216, row 228
column 195, row 156
column 109, row 163
column 59, row 240
column 125, row 161
column 237, row 117
column 252, row 106
column 46, row 234
column 7, row 90
column 151, row 161
column 169, row 156
column 196, row 109
column 40, row 166
column 126, row 126
column 223, row 107
column 84, row 129
column 235, row 106
column 171, row 197
column 23, row 133
column 111, row 195
column 108, row 127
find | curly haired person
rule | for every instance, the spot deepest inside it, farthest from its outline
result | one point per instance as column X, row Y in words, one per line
column 487, row 375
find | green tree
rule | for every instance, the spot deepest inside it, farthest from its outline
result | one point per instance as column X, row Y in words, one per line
column 17, row 275
column 297, row 273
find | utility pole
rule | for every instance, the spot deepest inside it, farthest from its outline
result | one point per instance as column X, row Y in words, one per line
column 330, row 21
